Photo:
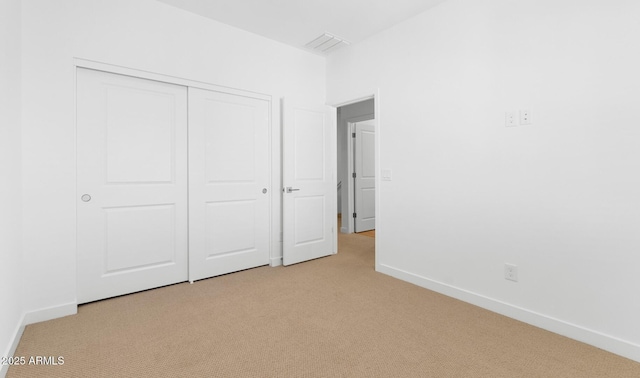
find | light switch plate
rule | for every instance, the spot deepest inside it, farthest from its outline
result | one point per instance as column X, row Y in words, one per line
column 525, row 117
column 386, row 175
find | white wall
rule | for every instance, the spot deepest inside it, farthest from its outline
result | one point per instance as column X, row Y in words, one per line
column 559, row 198
column 356, row 112
column 140, row 34
column 10, row 197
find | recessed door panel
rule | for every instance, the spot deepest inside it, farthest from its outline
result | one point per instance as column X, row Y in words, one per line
column 139, row 237
column 229, row 178
column 310, row 144
column 131, row 184
column 368, row 212
column 230, row 228
column 231, row 145
column 310, row 219
column 368, row 154
column 139, row 138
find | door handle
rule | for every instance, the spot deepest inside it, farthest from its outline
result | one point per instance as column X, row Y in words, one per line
column 85, row 198
column 290, row 189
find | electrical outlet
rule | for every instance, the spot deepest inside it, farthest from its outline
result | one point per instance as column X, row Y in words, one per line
column 525, row 117
column 510, row 119
column 511, row 272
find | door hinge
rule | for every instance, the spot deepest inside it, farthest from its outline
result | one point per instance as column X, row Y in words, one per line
column 353, row 175
column 354, row 215
column 353, row 135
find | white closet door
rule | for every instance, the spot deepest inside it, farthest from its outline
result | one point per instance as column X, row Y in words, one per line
column 131, row 184
column 309, row 198
column 229, row 171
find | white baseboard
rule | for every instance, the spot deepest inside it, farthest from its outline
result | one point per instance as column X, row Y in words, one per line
column 49, row 313
column 276, row 261
column 275, row 256
column 599, row 340
column 17, row 335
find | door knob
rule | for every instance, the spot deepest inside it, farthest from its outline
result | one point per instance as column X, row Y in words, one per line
column 264, row 190
column 85, row 198
column 290, row 189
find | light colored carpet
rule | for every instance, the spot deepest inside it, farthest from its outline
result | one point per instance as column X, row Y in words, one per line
column 331, row 317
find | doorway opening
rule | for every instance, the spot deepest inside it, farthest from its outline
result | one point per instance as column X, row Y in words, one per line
column 356, row 167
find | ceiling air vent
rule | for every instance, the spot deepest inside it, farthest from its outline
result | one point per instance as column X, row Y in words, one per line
column 326, row 43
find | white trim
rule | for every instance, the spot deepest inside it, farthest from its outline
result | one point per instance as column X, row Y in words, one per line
column 49, row 313
column 377, row 119
column 111, row 68
column 275, row 261
column 270, row 182
column 13, row 345
column 333, row 160
column 350, row 102
column 275, row 221
column 351, row 198
column 600, row 340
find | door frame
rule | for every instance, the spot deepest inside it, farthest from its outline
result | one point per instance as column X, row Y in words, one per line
column 375, row 95
column 274, row 185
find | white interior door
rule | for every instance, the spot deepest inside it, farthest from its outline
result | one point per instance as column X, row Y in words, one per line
column 229, row 177
column 309, row 196
column 131, row 183
column 365, row 176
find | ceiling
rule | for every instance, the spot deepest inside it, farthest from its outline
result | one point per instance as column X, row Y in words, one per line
column 297, row 22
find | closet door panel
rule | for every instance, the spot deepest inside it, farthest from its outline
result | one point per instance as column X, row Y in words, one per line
column 229, row 171
column 131, row 184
